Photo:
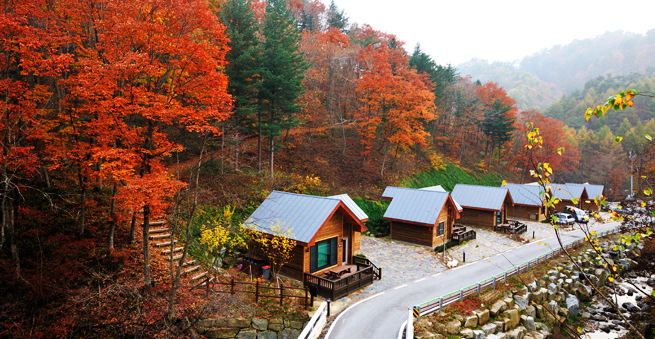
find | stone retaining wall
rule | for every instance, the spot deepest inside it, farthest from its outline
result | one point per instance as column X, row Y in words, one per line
column 246, row 328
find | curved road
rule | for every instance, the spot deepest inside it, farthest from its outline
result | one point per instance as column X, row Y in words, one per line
column 381, row 315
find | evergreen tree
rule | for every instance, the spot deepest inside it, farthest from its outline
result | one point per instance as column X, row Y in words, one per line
column 497, row 126
column 243, row 67
column 337, row 19
column 282, row 71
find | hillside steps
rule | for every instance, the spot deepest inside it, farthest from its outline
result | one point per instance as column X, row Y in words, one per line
column 168, row 251
column 210, row 280
column 159, row 236
column 199, row 276
column 158, row 230
column 192, row 269
column 190, row 262
column 162, row 244
column 156, row 223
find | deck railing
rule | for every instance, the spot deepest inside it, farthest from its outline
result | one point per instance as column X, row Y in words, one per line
column 335, row 289
column 461, row 237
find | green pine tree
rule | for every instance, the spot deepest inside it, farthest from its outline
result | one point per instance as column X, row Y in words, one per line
column 282, row 72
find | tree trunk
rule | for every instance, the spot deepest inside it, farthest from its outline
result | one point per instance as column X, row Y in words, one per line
column 147, row 279
column 222, row 147
column 272, row 144
column 46, row 176
column 112, row 222
column 236, row 154
column 13, row 206
column 384, row 159
column 259, row 143
column 82, row 203
column 133, row 228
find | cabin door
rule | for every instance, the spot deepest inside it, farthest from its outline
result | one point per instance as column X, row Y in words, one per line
column 344, row 246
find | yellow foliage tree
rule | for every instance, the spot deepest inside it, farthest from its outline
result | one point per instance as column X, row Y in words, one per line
column 276, row 244
column 217, row 238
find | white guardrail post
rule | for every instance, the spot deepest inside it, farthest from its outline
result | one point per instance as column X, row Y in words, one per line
column 316, row 324
column 409, row 333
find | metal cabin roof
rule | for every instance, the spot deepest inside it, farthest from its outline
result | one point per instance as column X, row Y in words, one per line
column 438, row 188
column 414, row 205
column 352, row 205
column 566, row 192
column 529, row 195
column 480, row 197
column 593, row 191
column 302, row 214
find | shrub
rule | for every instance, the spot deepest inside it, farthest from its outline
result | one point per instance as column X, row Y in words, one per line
column 448, row 245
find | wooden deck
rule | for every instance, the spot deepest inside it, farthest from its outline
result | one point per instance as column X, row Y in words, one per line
column 460, row 234
column 362, row 273
column 512, row 227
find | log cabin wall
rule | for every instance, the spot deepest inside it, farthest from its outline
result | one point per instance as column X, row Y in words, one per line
column 298, row 264
column 447, row 228
column 475, row 217
column 524, row 212
column 412, row 233
column 332, row 228
column 591, row 205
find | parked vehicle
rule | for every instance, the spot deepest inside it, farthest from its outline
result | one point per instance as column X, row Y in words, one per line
column 577, row 214
column 564, row 219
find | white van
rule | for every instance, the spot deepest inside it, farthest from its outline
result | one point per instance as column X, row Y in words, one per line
column 578, row 214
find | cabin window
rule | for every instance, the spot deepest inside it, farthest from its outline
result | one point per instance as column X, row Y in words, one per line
column 543, row 209
column 440, row 228
column 499, row 218
column 323, row 254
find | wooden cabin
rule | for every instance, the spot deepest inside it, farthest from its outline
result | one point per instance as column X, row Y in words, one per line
column 529, row 203
column 593, row 192
column 326, row 229
column 423, row 217
column 483, row 206
column 566, row 193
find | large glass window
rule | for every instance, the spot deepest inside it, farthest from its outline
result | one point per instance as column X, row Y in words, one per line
column 323, row 254
column 440, row 228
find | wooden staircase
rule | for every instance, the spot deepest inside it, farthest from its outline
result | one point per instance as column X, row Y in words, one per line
column 160, row 237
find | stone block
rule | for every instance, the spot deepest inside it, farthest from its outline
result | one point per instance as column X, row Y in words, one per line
column 489, row 328
column 238, row 323
column 471, row 321
column 572, row 305
column 478, row 334
column 222, row 333
column 288, row 333
column 466, row 333
column 540, row 311
column 498, row 307
column 513, row 316
column 267, row 335
column 259, row 324
column 247, row 334
column 530, row 325
column 295, row 324
column 483, row 316
column 276, row 327
column 509, row 302
column 531, row 311
column 423, row 334
column 516, row 333
column 522, row 301
column 452, row 327
column 500, row 326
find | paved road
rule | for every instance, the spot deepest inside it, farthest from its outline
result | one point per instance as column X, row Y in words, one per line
column 381, row 315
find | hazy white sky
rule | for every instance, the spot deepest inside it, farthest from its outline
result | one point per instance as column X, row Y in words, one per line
column 457, row 31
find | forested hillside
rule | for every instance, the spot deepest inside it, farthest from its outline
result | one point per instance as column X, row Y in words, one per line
column 115, row 113
column 565, row 69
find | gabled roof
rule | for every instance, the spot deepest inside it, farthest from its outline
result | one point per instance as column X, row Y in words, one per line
column 529, row 195
column 593, row 191
column 416, row 206
column 567, row 192
column 481, row 197
column 438, row 188
column 303, row 214
column 352, row 205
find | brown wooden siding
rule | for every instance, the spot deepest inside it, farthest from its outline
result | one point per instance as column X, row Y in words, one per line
column 480, row 218
column 356, row 239
column 590, row 205
column 298, row 263
column 524, row 212
column 415, row 234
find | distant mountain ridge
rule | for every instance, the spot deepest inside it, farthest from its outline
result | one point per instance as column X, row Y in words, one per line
column 539, row 79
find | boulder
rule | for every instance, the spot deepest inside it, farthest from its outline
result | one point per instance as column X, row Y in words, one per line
column 440, row 328
column 509, row 302
column 247, row 334
column 530, row 325
column 489, row 328
column 452, row 327
column 522, row 300
column 572, row 305
column 500, row 326
column 466, row 333
column 470, row 322
column 259, row 324
column 552, row 287
column 552, row 306
column 540, row 311
column 498, row 307
column 516, row 333
column 294, row 324
column 531, row 311
column 483, row 316
column 267, row 335
column 420, row 335
column 275, row 327
column 513, row 316
column 478, row 334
